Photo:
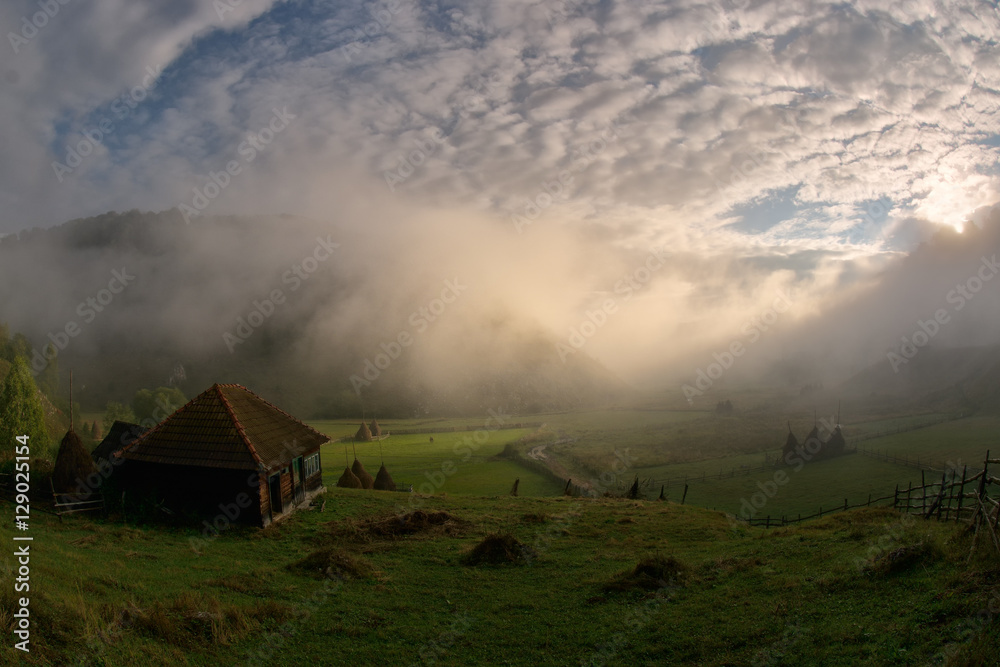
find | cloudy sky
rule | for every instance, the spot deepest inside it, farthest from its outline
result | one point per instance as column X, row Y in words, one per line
column 815, row 138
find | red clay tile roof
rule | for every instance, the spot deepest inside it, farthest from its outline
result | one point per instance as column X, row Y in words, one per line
column 227, row 426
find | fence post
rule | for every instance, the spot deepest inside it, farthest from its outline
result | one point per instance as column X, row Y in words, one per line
column 845, row 504
column 685, row 494
column 961, row 495
column 923, row 493
column 909, row 489
column 895, row 498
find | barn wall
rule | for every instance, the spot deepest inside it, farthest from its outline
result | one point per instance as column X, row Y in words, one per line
column 314, row 481
column 287, row 497
column 207, row 492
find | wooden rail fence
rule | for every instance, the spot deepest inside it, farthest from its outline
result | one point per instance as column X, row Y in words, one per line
column 959, row 495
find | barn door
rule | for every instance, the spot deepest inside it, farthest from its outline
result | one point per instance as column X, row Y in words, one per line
column 298, row 481
column 274, row 490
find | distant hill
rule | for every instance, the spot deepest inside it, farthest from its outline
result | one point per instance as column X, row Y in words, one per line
column 290, row 307
column 968, row 376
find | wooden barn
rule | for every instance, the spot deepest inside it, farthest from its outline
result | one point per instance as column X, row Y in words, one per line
column 227, row 451
column 121, row 435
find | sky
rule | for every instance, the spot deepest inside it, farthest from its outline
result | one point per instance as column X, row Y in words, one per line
column 763, row 146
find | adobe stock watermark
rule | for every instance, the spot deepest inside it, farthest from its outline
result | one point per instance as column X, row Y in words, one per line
column 420, row 320
column 598, row 317
column 381, row 14
column 264, row 308
column 88, row 310
column 464, row 451
column 779, row 478
column 436, row 649
column 407, row 164
column 30, row 27
column 958, row 298
column 557, row 188
column 254, row 144
column 122, row 108
column 752, row 329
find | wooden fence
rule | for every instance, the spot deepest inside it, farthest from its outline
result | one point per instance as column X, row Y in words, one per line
column 71, row 503
column 785, row 520
column 959, row 495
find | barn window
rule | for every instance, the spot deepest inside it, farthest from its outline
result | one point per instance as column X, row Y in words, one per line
column 312, row 464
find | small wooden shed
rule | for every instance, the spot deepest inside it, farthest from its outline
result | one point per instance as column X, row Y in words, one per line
column 230, row 452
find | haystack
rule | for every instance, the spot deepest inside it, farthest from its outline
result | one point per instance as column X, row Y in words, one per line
column 73, row 466
column 791, row 443
column 633, row 492
column 836, row 444
column 349, row 480
column 383, row 481
column 375, row 429
column 363, row 434
column 359, row 471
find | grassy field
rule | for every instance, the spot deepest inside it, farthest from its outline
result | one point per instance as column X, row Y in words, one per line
column 454, row 463
column 960, row 442
column 103, row 593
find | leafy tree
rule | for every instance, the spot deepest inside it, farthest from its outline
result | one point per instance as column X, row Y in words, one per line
column 156, row 405
column 21, row 411
column 118, row 412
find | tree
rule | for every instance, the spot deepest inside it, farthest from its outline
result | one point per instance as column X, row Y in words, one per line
column 21, row 411
column 118, row 412
column 156, row 405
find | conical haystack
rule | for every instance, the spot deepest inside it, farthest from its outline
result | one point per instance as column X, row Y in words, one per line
column 836, row 444
column 73, row 466
column 362, row 474
column 349, row 480
column 383, row 481
column 375, row 429
column 633, row 492
column 791, row 443
column 363, row 434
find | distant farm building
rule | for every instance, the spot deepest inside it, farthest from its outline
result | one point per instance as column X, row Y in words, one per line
column 227, row 450
column 121, row 435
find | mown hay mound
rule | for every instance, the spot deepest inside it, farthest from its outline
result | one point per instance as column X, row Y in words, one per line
column 349, row 480
column 383, row 480
column 651, row 574
column 417, row 521
column 499, row 549
column 902, row 559
column 359, row 471
column 333, row 563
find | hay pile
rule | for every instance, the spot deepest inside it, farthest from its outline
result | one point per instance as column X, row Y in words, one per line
column 376, row 430
column 418, row 521
column 73, row 466
column 383, row 480
column 363, row 434
column 499, row 549
column 902, row 559
column 349, row 480
column 359, row 471
column 334, row 563
column 651, row 574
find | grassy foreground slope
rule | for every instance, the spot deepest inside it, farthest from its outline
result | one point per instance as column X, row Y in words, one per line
column 338, row 588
